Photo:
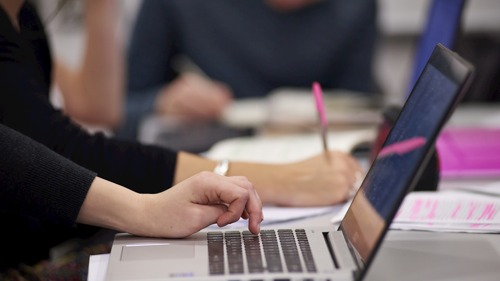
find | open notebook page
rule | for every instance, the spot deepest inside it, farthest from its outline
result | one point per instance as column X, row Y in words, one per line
column 285, row 149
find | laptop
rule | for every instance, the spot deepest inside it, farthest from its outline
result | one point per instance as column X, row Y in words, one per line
column 314, row 253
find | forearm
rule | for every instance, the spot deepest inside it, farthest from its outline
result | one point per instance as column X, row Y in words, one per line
column 178, row 212
column 190, row 164
column 96, row 90
column 103, row 70
column 267, row 179
column 317, row 181
column 111, row 206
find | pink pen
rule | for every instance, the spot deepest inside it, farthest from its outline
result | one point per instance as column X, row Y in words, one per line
column 318, row 97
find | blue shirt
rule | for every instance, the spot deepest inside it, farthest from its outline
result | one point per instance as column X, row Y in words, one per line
column 249, row 46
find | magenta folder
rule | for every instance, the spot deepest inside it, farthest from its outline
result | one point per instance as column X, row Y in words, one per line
column 469, row 152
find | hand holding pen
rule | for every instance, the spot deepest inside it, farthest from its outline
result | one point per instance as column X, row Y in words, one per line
column 318, row 97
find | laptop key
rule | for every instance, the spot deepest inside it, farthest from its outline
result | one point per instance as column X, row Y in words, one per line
column 290, row 251
column 253, row 252
column 271, row 250
column 305, row 250
column 215, row 242
column 234, row 252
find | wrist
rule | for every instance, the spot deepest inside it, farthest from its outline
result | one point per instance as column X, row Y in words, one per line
column 269, row 180
column 111, row 206
column 136, row 219
column 282, row 184
column 189, row 165
column 288, row 183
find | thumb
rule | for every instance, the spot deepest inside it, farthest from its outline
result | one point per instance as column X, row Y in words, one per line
column 211, row 213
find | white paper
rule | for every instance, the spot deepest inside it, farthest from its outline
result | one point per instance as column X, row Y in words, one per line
column 251, row 112
column 296, row 107
column 449, row 207
column 286, row 149
column 448, row 227
column 447, row 211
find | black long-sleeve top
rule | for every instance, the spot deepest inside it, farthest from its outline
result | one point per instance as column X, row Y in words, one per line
column 25, row 75
column 38, row 183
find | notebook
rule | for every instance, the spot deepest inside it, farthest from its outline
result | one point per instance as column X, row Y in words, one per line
column 314, row 253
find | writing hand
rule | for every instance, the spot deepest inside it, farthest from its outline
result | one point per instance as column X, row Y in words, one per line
column 322, row 180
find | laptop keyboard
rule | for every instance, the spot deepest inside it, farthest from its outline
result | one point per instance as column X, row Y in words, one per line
column 262, row 252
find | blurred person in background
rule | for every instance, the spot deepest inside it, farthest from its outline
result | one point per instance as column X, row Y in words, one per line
column 245, row 48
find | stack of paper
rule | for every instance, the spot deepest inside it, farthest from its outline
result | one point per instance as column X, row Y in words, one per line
column 447, row 211
column 450, row 211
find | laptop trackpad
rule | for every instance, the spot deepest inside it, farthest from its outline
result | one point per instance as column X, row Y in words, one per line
column 157, row 252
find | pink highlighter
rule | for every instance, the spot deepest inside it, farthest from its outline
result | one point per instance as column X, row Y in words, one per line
column 318, row 97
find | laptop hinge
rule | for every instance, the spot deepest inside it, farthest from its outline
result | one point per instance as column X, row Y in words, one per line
column 341, row 252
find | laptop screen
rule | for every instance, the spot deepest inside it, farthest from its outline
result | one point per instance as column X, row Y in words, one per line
column 406, row 147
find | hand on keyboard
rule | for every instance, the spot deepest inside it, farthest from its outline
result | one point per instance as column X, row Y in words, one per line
column 200, row 201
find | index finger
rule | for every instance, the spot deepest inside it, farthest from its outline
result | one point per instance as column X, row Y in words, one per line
column 253, row 205
column 237, row 192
